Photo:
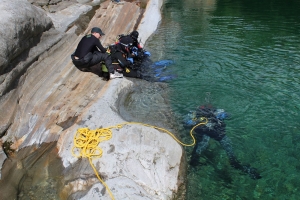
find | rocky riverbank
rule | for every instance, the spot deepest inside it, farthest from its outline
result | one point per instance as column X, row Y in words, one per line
column 45, row 99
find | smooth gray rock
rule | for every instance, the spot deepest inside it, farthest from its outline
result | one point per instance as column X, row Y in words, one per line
column 65, row 18
column 52, row 99
column 39, row 2
column 21, row 27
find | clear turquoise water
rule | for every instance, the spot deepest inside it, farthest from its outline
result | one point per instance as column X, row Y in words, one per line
column 243, row 56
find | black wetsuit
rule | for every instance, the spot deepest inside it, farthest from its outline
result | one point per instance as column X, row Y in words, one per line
column 215, row 128
column 120, row 53
column 89, row 55
column 127, row 44
column 123, row 50
column 128, row 40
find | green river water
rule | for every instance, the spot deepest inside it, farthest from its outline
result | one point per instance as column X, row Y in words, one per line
column 243, row 56
column 239, row 55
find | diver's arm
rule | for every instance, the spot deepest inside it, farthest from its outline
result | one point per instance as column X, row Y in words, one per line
column 99, row 45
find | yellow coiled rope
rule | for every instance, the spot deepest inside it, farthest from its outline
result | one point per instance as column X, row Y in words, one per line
column 86, row 142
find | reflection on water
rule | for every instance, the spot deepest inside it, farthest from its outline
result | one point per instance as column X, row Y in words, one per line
column 147, row 102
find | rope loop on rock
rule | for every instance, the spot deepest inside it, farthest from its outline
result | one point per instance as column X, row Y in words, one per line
column 86, row 142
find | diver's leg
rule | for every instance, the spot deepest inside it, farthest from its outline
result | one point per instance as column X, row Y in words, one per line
column 121, row 60
column 226, row 144
column 108, row 62
column 97, row 69
column 98, row 57
column 198, row 148
column 202, row 145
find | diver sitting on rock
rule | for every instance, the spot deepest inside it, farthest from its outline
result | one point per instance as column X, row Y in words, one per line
column 130, row 59
column 214, row 128
column 90, row 52
column 134, row 48
column 129, row 55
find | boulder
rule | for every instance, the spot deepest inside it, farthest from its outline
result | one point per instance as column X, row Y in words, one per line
column 22, row 26
column 138, row 162
column 65, row 18
column 153, row 14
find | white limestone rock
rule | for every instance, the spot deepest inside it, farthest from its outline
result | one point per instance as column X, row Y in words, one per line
column 21, row 25
column 65, row 18
column 138, row 161
column 149, row 24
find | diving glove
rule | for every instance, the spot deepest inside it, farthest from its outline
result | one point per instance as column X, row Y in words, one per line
column 147, row 53
column 130, row 60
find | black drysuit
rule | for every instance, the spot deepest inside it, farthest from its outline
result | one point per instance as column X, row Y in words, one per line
column 91, row 52
column 215, row 128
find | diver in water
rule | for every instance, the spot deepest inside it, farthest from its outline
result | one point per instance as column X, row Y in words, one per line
column 214, row 128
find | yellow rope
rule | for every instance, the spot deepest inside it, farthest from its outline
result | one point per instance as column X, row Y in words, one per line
column 86, row 142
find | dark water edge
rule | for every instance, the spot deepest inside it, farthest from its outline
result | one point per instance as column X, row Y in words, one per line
column 83, row 21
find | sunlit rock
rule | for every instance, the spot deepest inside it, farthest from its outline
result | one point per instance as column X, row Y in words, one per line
column 21, row 27
column 51, row 99
column 65, row 18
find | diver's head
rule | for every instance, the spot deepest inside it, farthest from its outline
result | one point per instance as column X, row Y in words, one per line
column 195, row 117
column 134, row 35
